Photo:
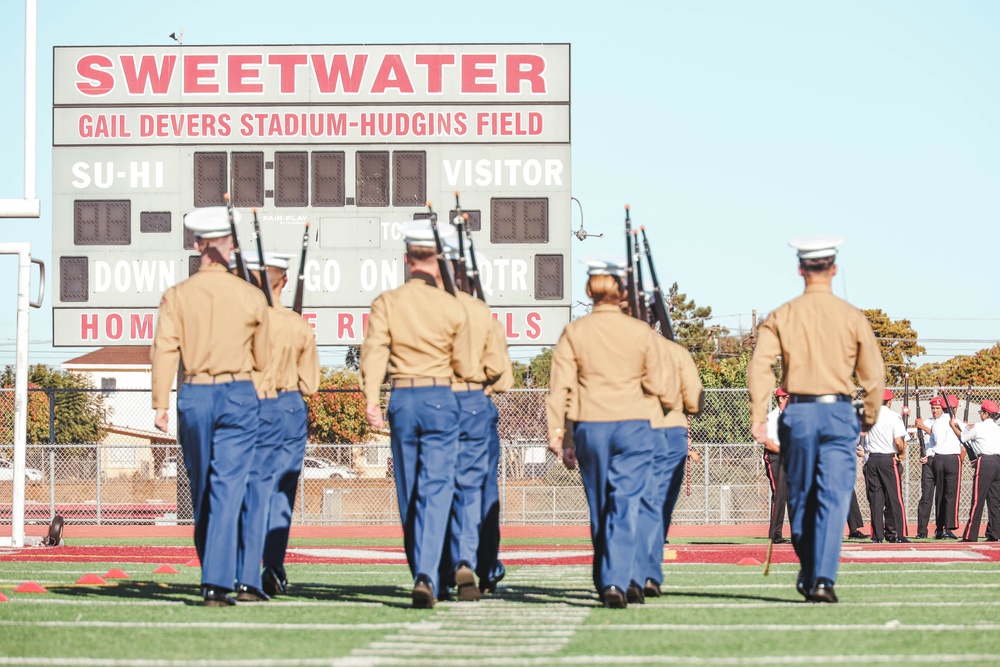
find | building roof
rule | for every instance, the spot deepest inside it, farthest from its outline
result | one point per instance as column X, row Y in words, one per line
column 128, row 355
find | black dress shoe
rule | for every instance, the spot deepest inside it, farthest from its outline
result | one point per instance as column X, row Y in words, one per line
column 800, row 585
column 614, row 598
column 921, row 536
column 992, row 539
column 216, row 597
column 423, row 593
column 822, row 591
column 489, row 583
column 634, row 594
column 965, row 540
column 651, row 589
column 246, row 593
column 273, row 582
column 899, row 540
column 779, row 540
column 857, row 535
column 465, row 580
column 938, row 534
column 948, row 535
column 875, row 540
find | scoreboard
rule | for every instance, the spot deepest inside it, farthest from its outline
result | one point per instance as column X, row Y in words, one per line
column 354, row 139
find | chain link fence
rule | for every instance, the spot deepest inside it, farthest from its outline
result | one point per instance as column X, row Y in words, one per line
column 136, row 475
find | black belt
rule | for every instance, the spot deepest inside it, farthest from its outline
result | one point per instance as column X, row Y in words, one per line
column 822, row 398
column 880, row 454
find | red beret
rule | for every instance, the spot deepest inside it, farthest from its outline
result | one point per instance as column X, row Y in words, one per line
column 938, row 401
column 953, row 401
column 780, row 392
column 887, row 395
column 990, row 406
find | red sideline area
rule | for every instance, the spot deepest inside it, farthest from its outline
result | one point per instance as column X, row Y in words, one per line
column 714, row 551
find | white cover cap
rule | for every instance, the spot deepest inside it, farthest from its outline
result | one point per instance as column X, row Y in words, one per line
column 604, row 266
column 418, row 233
column 816, row 247
column 211, row 222
column 278, row 260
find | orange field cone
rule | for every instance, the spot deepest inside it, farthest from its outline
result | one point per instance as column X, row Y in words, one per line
column 30, row 587
column 115, row 574
column 165, row 569
column 3, row 598
column 748, row 561
column 194, row 562
column 92, row 579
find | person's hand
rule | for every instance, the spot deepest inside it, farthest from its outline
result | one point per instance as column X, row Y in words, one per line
column 569, row 457
column 923, row 460
column 555, row 446
column 162, row 419
column 860, row 451
column 694, row 456
column 759, row 432
column 919, row 422
column 373, row 413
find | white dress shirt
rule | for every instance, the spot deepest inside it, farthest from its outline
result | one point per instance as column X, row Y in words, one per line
column 881, row 437
column 943, row 439
column 984, row 437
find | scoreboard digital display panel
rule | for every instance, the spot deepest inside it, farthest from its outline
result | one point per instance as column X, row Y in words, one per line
column 353, row 138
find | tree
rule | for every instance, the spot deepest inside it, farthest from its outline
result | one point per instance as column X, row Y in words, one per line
column 980, row 370
column 353, row 358
column 540, row 369
column 689, row 326
column 79, row 410
column 337, row 410
column 898, row 342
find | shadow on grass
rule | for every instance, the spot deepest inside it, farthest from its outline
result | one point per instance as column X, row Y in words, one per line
column 673, row 592
column 189, row 594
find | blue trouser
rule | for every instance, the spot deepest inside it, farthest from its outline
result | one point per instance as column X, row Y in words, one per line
column 818, row 443
column 669, row 449
column 487, row 559
column 287, row 467
column 260, row 487
column 217, row 426
column 424, row 423
column 462, row 542
column 613, row 458
column 677, row 436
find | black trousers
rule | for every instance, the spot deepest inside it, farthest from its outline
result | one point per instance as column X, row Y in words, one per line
column 779, row 492
column 885, row 495
column 854, row 519
column 926, row 497
column 947, row 486
column 985, row 490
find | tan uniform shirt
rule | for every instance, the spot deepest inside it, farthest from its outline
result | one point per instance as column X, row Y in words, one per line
column 498, row 340
column 823, row 341
column 215, row 322
column 488, row 358
column 601, row 366
column 418, row 331
column 691, row 393
column 295, row 360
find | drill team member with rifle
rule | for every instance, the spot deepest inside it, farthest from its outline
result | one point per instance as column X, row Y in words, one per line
column 944, row 455
column 885, row 442
column 217, row 325
column 984, row 437
column 670, row 448
column 296, row 376
column 823, row 342
column 772, row 466
column 420, row 332
column 602, row 366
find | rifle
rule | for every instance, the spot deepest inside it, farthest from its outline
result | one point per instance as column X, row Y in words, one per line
column 968, row 396
column 300, row 282
column 906, row 404
column 446, row 279
column 920, row 431
column 241, row 267
column 640, row 284
column 461, row 272
column 477, row 285
column 659, row 305
column 265, row 279
column 630, row 291
column 951, row 415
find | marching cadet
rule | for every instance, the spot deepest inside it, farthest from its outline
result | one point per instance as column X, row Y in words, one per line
column 823, row 341
column 670, row 448
column 296, row 376
column 944, row 456
column 602, row 366
column 489, row 568
column 772, row 466
column 490, row 360
column 885, row 441
column 421, row 334
column 292, row 353
column 217, row 325
column 985, row 440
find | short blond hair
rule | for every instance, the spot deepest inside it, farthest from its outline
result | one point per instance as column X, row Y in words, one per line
column 604, row 289
column 420, row 253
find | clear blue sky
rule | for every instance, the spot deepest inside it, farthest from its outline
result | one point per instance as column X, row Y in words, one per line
column 729, row 127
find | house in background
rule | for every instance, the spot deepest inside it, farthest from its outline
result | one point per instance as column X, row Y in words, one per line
column 130, row 446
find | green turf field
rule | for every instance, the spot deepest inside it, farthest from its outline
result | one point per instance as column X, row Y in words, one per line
column 356, row 615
